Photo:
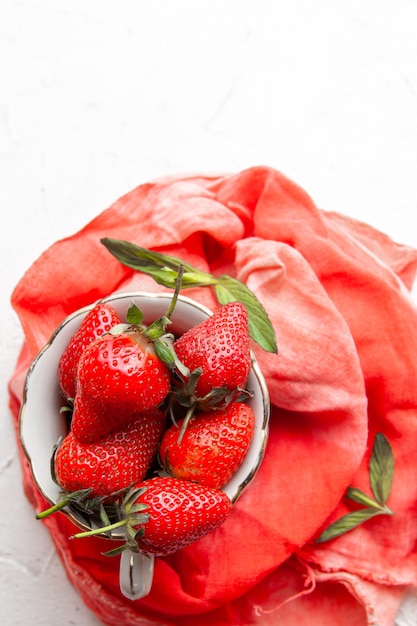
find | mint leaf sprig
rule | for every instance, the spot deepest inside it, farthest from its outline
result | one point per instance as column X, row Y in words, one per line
column 381, row 474
column 163, row 269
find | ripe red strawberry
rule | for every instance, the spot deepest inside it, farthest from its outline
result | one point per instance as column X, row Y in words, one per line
column 98, row 321
column 163, row 515
column 213, row 445
column 180, row 513
column 114, row 462
column 119, row 377
column 220, row 348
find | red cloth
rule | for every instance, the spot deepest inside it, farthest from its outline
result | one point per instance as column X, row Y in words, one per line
column 337, row 293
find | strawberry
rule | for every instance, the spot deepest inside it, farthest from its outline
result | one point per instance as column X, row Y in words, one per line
column 213, row 445
column 98, row 321
column 163, row 515
column 119, row 377
column 217, row 353
column 180, row 513
column 113, row 463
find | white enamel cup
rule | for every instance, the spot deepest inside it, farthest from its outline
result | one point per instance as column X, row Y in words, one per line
column 41, row 425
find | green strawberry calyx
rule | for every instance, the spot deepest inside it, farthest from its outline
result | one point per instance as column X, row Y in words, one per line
column 131, row 514
column 163, row 269
column 217, row 398
column 81, row 499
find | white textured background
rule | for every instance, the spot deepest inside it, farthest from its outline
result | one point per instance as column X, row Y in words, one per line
column 97, row 97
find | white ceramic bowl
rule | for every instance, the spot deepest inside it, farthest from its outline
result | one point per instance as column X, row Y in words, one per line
column 41, row 425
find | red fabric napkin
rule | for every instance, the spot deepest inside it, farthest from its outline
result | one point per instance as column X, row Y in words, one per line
column 337, row 293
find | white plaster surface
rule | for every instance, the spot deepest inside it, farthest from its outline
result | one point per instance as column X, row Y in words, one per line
column 99, row 96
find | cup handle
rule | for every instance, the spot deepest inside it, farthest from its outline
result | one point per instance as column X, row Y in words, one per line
column 136, row 574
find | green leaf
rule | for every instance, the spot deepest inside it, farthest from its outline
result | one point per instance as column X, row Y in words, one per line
column 115, row 551
column 104, row 518
column 162, row 267
column 164, row 270
column 381, row 469
column 163, row 347
column 347, row 523
column 157, row 329
column 131, row 531
column 359, row 496
column 165, row 353
column 134, row 315
column 230, row 289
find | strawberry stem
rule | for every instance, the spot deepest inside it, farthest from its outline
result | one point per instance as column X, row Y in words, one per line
column 157, row 328
column 178, row 285
column 80, row 497
column 101, row 530
column 53, row 509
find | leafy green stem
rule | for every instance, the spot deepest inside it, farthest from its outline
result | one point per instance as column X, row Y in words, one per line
column 177, row 290
column 163, row 269
column 381, row 475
